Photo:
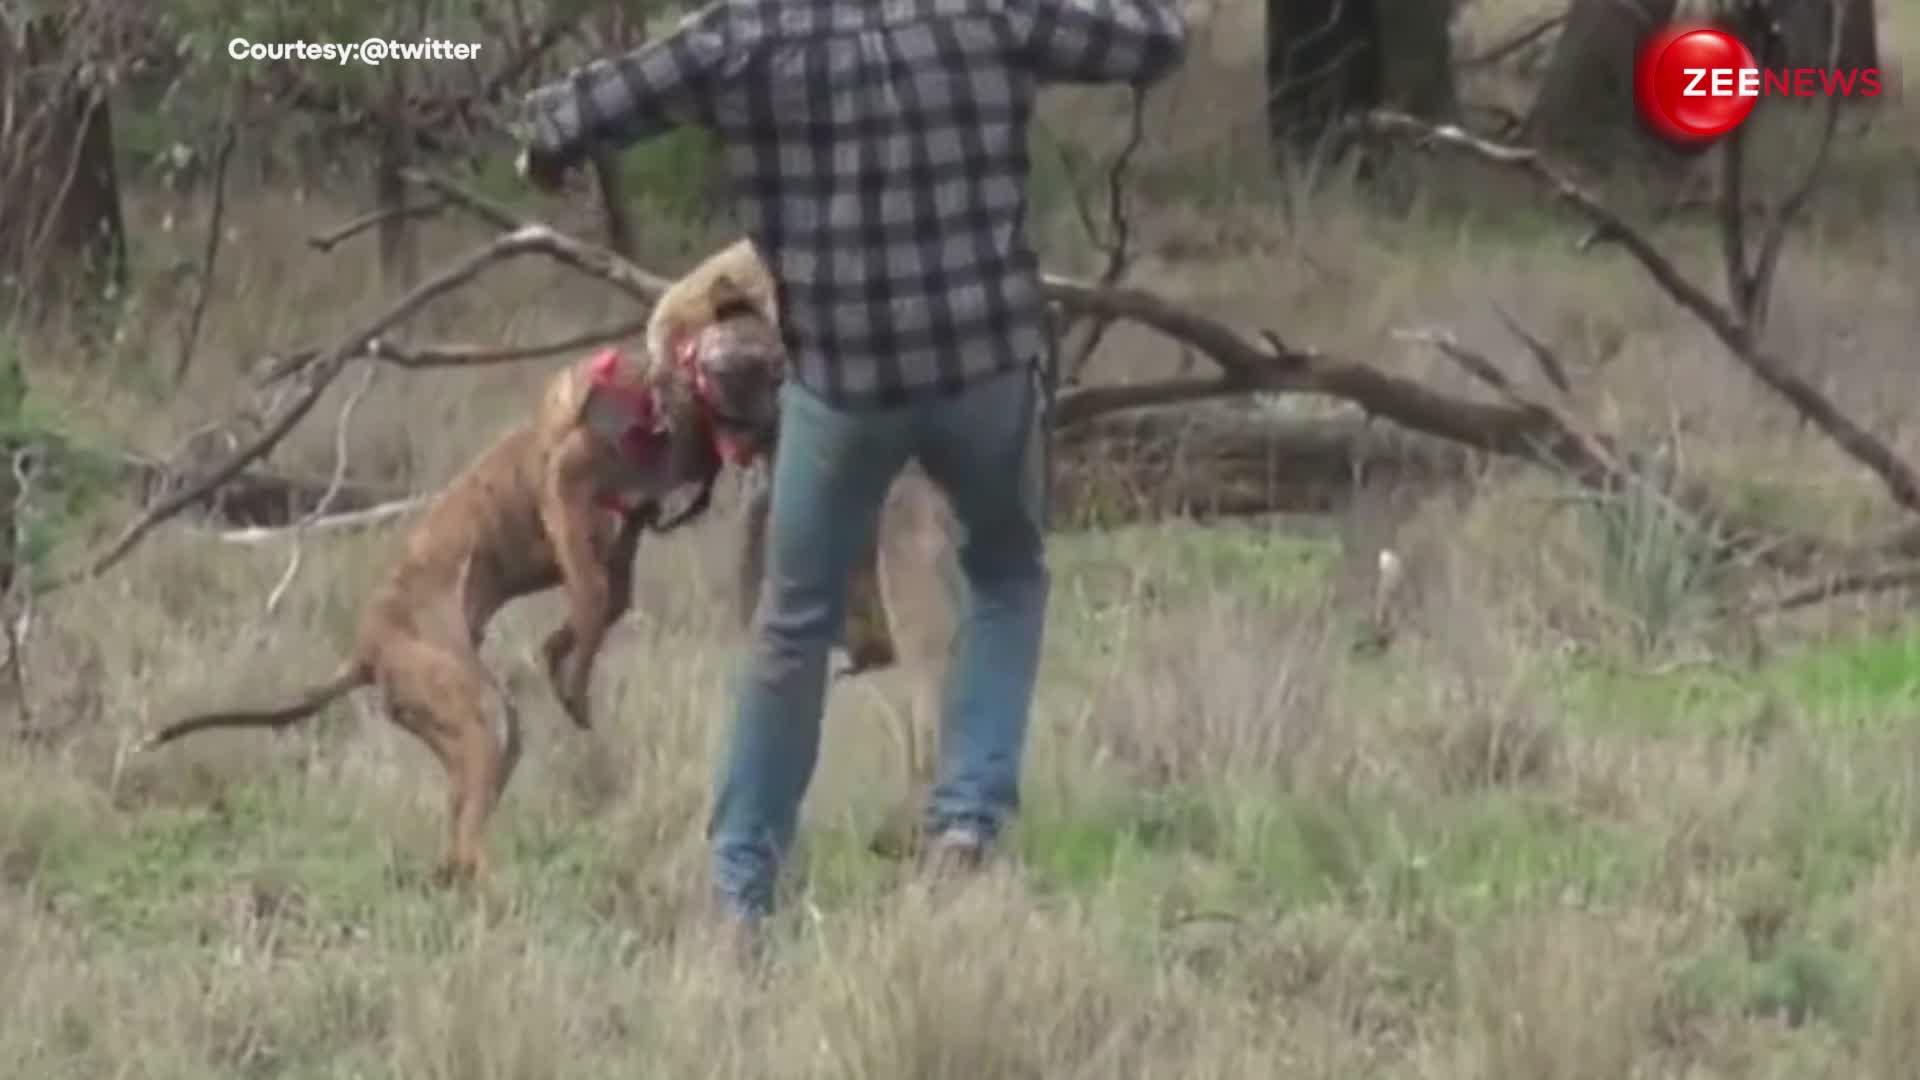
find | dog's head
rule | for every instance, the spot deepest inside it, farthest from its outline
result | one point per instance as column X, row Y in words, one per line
column 736, row 366
column 715, row 335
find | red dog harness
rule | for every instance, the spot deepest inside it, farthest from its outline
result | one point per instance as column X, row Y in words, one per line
column 636, row 424
column 636, row 429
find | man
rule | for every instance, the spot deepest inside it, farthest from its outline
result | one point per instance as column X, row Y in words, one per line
column 878, row 152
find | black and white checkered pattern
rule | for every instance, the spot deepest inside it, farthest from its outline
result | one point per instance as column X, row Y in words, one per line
column 878, row 151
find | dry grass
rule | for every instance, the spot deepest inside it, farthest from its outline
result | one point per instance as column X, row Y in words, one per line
column 1564, row 829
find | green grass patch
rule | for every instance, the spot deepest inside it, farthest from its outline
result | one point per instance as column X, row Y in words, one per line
column 1467, row 858
column 1858, row 683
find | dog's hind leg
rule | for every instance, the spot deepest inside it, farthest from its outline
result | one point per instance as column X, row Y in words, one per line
column 442, row 696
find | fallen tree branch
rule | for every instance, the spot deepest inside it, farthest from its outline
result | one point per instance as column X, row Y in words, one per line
column 1217, row 462
column 1846, row 585
column 1740, row 338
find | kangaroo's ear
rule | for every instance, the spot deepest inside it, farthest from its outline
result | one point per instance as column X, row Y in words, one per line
column 727, row 298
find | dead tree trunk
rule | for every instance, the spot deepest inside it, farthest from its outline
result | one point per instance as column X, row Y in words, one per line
column 1585, row 107
column 1330, row 58
column 60, row 219
column 1416, row 58
column 1322, row 62
column 1805, row 31
column 399, row 246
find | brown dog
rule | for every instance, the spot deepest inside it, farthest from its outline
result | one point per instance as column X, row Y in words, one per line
column 558, row 501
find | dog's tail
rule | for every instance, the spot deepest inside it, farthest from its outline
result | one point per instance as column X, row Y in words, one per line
column 352, row 675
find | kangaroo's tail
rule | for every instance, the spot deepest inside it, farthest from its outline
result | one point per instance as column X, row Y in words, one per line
column 350, row 676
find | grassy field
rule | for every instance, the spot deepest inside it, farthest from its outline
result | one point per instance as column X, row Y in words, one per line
column 1566, row 827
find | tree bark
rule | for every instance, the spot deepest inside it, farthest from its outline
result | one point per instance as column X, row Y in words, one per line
column 1585, row 108
column 1806, row 33
column 1329, row 58
column 1323, row 60
column 1416, row 57
column 61, row 208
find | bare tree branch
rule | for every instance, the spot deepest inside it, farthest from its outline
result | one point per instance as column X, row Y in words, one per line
column 1740, row 339
column 334, row 483
column 459, row 355
column 1543, row 357
column 594, row 261
column 1119, row 225
column 455, row 354
column 520, row 242
column 1774, row 241
column 332, row 238
column 216, row 224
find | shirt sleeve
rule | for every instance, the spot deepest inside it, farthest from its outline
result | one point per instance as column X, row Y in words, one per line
column 665, row 83
column 1095, row 41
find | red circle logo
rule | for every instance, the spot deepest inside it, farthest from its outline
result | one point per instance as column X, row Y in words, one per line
column 1695, row 84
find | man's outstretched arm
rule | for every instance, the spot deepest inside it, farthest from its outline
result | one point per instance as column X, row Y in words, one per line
column 622, row 100
column 1099, row 41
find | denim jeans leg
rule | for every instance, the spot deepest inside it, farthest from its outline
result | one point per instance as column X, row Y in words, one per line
column 985, row 449
column 831, row 473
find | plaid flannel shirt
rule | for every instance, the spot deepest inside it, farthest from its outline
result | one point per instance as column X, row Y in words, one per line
column 878, row 153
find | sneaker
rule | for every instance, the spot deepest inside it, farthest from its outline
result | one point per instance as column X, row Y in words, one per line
column 746, row 942
column 740, row 933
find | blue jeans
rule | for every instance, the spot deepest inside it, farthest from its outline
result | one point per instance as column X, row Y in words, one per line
column 984, row 449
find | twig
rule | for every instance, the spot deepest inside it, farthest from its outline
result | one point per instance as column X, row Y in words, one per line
column 216, row 223
column 1543, row 356
column 1119, row 253
column 332, row 491
column 332, row 238
column 352, row 519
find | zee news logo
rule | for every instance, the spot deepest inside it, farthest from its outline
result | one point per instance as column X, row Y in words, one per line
column 1697, row 83
column 1799, row 82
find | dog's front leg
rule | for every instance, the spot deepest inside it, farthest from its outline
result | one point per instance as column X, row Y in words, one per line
column 619, row 563
column 567, row 511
